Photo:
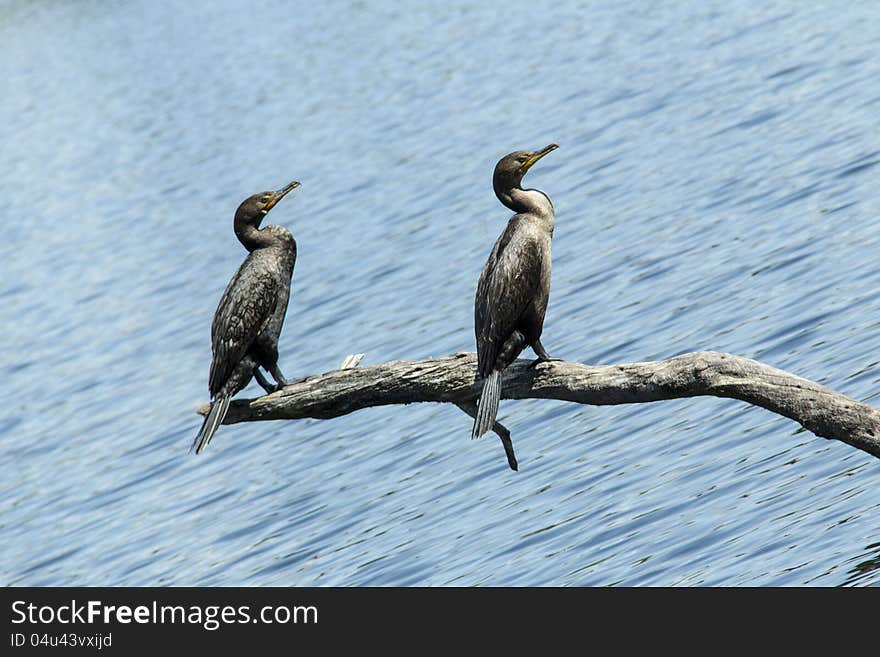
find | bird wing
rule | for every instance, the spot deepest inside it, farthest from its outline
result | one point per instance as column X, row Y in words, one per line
column 510, row 281
column 245, row 309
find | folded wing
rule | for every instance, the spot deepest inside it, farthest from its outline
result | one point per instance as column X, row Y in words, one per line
column 508, row 285
column 245, row 309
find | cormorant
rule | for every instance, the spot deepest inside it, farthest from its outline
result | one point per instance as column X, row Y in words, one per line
column 514, row 286
column 248, row 321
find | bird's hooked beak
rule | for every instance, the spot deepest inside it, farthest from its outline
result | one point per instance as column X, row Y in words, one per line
column 280, row 194
column 537, row 156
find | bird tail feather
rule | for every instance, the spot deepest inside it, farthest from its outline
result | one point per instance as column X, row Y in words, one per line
column 487, row 409
column 213, row 419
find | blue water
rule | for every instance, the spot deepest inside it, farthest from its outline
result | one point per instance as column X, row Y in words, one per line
column 716, row 188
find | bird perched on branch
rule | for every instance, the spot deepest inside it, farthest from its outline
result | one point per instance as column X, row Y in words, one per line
column 248, row 321
column 514, row 286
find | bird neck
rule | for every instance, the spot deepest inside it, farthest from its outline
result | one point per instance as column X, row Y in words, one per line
column 527, row 201
column 253, row 238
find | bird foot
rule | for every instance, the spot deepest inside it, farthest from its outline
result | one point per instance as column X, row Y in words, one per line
column 538, row 361
column 264, row 382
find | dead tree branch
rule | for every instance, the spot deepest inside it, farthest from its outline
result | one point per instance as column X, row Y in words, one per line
column 451, row 379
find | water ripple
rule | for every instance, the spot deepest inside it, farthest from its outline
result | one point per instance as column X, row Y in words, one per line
column 712, row 192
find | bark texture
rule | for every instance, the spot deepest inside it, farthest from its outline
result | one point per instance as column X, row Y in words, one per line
column 452, row 379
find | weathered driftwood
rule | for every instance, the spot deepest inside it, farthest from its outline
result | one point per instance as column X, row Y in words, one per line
column 451, row 379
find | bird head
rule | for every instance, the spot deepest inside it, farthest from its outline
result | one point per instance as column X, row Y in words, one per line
column 254, row 208
column 511, row 168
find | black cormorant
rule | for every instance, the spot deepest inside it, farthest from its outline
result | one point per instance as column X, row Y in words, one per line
column 248, row 321
column 514, row 287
